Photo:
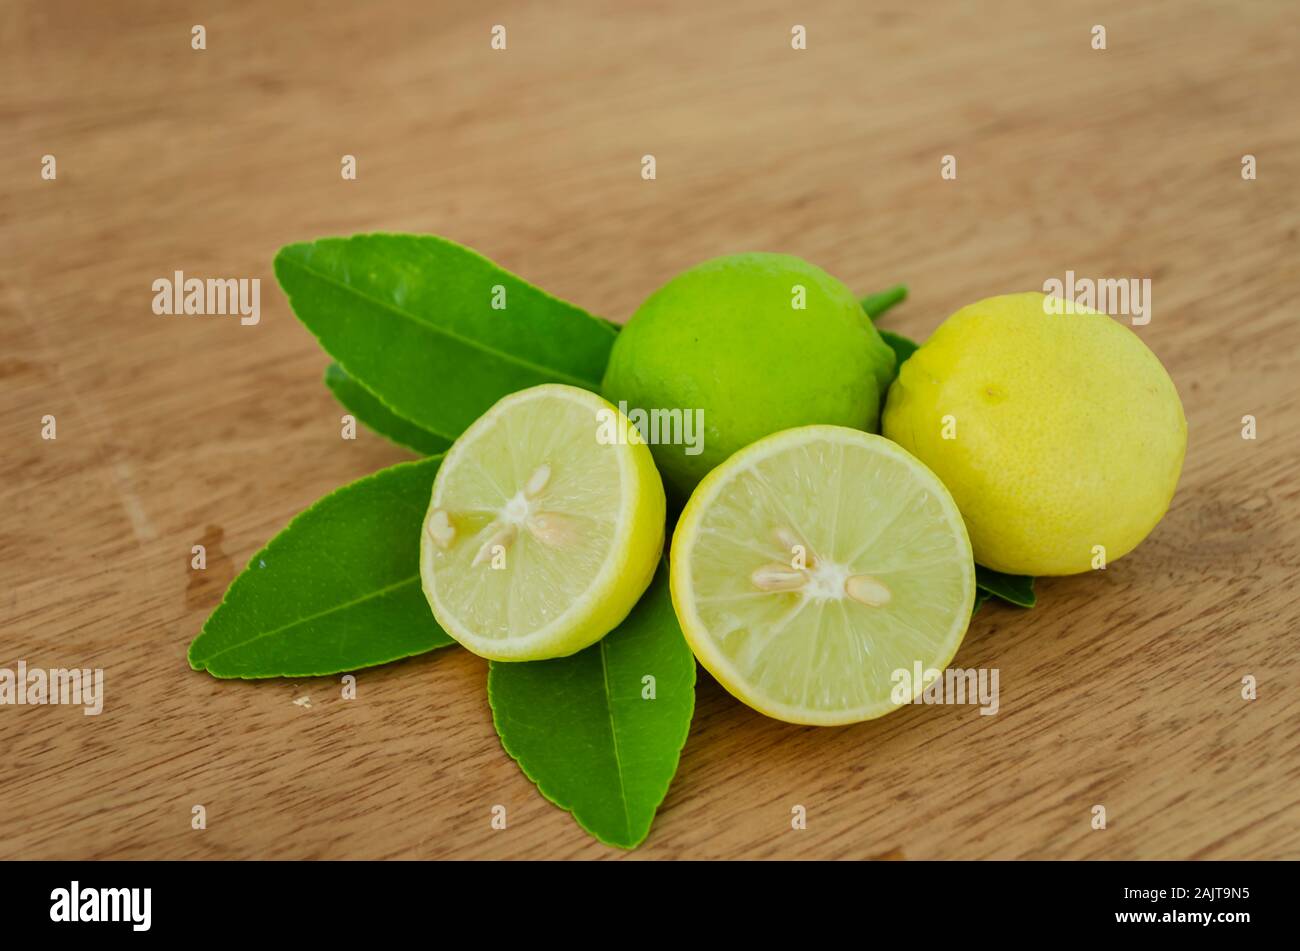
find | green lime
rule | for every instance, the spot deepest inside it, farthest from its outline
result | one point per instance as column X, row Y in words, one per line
column 740, row 347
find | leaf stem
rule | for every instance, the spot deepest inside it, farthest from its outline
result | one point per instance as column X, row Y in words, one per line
column 877, row 304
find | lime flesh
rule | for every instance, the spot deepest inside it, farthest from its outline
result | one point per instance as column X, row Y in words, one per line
column 814, row 565
column 544, row 527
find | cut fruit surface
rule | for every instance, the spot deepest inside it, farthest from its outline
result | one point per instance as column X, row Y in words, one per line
column 813, row 565
column 545, row 525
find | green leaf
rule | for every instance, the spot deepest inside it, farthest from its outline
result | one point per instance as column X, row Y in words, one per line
column 367, row 408
column 581, row 730
column 902, row 347
column 410, row 318
column 336, row 590
column 877, row 304
column 1014, row 589
column 981, row 596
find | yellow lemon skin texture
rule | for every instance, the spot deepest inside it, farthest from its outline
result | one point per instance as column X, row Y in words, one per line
column 1067, row 435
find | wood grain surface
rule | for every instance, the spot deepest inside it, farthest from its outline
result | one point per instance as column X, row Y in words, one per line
column 1123, row 688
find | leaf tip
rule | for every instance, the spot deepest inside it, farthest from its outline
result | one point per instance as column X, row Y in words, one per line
column 196, row 663
column 289, row 252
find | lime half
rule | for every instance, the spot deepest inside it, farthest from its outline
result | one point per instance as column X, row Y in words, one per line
column 813, row 566
column 545, row 526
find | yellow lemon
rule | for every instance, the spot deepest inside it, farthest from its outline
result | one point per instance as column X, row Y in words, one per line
column 1060, row 436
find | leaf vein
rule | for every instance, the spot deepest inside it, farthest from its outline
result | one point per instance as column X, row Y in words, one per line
column 442, row 331
column 613, row 732
column 377, row 593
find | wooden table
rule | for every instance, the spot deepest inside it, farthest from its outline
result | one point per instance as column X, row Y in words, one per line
column 1121, row 689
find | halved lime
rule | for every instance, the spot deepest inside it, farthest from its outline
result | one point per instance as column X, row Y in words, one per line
column 545, row 526
column 813, row 566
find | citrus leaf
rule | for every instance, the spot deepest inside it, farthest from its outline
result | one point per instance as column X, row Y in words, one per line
column 583, row 730
column 338, row 589
column 981, row 596
column 902, row 347
column 411, row 318
column 368, row 409
column 877, row 304
column 1013, row 589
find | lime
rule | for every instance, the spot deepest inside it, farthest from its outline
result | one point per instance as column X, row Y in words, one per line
column 1060, row 436
column 740, row 347
column 545, row 526
column 812, row 566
